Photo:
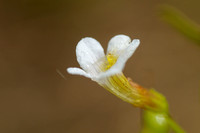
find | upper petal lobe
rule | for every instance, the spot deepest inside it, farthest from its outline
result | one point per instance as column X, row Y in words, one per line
column 88, row 52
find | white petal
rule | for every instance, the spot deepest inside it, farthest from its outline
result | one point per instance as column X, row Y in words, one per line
column 78, row 71
column 121, row 61
column 117, row 44
column 88, row 52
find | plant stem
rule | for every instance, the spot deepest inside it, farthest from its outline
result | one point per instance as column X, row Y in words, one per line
column 176, row 128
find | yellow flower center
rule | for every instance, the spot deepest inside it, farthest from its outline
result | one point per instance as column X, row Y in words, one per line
column 111, row 60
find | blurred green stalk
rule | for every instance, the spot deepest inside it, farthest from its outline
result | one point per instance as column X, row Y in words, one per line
column 181, row 22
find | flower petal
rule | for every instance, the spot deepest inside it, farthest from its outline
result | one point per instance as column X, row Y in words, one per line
column 121, row 61
column 88, row 52
column 117, row 44
column 78, row 71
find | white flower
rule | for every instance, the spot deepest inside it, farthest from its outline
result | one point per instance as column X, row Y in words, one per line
column 106, row 69
column 91, row 57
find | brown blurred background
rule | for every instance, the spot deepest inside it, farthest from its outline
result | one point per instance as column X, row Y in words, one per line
column 38, row 39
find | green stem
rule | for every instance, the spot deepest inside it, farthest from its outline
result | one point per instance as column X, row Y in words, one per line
column 176, row 128
column 181, row 22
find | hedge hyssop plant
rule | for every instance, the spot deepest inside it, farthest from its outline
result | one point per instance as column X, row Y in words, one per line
column 106, row 70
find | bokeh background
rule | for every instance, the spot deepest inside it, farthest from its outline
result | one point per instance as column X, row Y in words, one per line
column 37, row 44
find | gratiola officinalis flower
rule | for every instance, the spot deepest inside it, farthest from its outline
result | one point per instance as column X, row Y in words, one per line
column 106, row 70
